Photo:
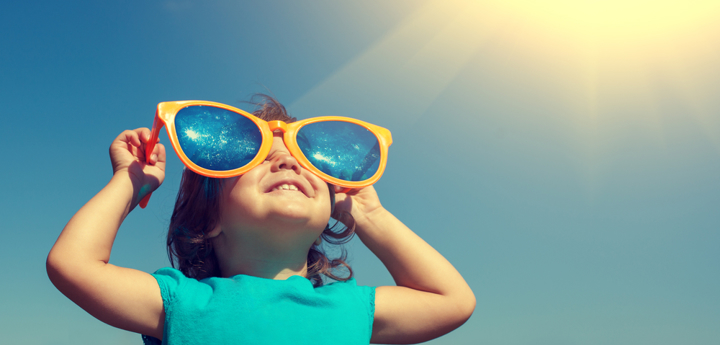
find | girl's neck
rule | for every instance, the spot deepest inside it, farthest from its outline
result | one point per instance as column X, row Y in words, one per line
column 259, row 261
column 276, row 270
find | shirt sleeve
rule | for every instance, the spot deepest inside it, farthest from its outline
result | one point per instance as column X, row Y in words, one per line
column 364, row 297
column 367, row 296
column 168, row 279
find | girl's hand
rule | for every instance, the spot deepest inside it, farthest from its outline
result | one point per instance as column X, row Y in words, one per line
column 127, row 154
column 360, row 203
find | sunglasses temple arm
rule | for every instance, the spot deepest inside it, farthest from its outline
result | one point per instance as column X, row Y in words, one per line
column 143, row 203
column 157, row 125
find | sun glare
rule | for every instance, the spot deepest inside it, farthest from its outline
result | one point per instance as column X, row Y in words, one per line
column 319, row 156
column 615, row 21
column 600, row 44
column 583, row 53
column 192, row 134
column 598, row 67
column 614, row 63
column 619, row 51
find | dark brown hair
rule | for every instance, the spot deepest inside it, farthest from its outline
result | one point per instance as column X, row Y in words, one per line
column 197, row 212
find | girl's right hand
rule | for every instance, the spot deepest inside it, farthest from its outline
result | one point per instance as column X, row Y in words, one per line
column 127, row 154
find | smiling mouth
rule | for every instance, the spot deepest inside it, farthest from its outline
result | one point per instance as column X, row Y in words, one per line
column 289, row 185
column 285, row 187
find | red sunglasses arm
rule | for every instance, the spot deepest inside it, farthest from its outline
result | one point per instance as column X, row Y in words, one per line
column 143, row 203
column 149, row 147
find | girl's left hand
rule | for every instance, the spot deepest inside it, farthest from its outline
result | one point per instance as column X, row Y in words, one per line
column 360, row 203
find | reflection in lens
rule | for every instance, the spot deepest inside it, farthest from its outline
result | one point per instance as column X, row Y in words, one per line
column 215, row 138
column 343, row 150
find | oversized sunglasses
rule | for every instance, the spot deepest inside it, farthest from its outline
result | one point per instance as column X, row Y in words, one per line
column 217, row 140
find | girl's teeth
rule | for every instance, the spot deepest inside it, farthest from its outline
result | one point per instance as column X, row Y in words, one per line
column 285, row 187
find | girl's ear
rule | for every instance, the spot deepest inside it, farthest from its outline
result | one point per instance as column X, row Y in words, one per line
column 214, row 232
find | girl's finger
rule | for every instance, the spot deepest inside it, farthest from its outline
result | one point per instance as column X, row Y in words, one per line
column 144, row 134
column 130, row 137
column 345, row 190
column 158, row 154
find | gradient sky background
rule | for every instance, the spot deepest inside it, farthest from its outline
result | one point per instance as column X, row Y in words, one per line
column 564, row 157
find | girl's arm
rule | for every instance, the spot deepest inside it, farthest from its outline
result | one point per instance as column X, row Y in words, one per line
column 78, row 262
column 431, row 298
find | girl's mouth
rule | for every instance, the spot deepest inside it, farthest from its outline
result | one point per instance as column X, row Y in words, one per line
column 288, row 185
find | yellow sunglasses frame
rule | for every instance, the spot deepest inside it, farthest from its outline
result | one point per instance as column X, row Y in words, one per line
column 165, row 116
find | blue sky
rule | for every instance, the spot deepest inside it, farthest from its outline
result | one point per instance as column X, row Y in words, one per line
column 571, row 177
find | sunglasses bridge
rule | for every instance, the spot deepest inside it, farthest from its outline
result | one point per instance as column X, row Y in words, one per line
column 277, row 125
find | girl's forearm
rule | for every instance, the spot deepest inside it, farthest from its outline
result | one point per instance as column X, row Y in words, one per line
column 78, row 264
column 88, row 237
column 411, row 261
column 431, row 298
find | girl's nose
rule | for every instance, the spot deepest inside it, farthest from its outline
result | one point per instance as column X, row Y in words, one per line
column 284, row 161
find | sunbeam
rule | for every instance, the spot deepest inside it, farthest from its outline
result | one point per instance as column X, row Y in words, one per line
column 413, row 63
column 604, row 67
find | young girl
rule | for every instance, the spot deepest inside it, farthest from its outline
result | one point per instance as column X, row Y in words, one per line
column 248, row 249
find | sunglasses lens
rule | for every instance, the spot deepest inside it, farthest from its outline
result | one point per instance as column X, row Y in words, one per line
column 215, row 138
column 343, row 150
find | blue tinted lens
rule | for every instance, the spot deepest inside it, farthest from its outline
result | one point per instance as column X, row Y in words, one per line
column 340, row 149
column 215, row 138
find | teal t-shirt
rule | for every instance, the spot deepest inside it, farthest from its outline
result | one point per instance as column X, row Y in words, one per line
column 251, row 310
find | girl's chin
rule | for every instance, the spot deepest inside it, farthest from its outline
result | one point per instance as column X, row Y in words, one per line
column 299, row 212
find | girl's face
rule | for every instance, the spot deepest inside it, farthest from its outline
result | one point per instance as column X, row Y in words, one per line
column 276, row 202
